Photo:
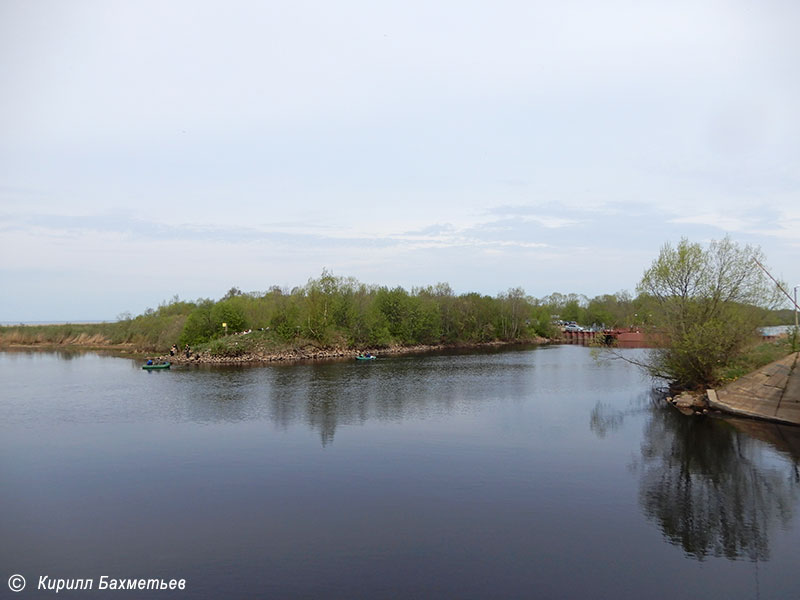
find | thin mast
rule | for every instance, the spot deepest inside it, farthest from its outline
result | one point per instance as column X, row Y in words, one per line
column 780, row 287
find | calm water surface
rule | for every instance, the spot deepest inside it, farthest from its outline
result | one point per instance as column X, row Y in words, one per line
column 536, row 473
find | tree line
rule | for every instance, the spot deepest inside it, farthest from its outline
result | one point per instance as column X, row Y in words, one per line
column 342, row 311
column 706, row 303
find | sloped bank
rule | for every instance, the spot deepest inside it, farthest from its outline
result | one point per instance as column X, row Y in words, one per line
column 772, row 393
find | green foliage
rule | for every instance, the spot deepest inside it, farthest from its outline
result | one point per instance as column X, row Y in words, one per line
column 199, row 326
column 783, row 316
column 612, row 310
column 757, row 356
column 566, row 307
column 229, row 312
column 322, row 297
column 708, row 302
column 218, row 347
column 327, row 311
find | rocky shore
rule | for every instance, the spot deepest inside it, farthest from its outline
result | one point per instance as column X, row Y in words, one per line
column 690, row 403
column 316, row 353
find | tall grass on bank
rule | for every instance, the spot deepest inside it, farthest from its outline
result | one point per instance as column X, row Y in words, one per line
column 757, row 356
column 154, row 330
column 66, row 334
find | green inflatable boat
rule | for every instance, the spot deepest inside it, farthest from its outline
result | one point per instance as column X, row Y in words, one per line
column 153, row 367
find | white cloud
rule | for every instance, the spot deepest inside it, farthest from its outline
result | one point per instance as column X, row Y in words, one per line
column 718, row 220
column 408, row 142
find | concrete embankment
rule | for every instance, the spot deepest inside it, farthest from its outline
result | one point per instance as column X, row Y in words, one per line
column 772, row 393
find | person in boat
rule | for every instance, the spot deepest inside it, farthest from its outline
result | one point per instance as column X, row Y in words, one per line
column 149, row 361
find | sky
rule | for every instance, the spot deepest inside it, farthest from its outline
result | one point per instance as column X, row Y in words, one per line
column 150, row 149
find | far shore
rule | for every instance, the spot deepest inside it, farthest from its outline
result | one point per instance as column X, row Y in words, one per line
column 304, row 353
column 311, row 352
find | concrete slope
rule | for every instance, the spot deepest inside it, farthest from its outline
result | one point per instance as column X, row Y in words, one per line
column 772, row 392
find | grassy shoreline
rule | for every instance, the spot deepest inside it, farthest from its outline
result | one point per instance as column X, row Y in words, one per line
column 253, row 348
column 258, row 348
column 307, row 353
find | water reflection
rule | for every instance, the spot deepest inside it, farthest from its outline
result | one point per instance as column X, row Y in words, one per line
column 327, row 396
column 63, row 354
column 605, row 419
column 713, row 486
column 467, row 477
column 783, row 438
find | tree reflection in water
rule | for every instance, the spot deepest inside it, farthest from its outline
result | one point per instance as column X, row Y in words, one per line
column 711, row 486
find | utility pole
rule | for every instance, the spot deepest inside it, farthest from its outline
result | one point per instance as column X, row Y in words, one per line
column 780, row 287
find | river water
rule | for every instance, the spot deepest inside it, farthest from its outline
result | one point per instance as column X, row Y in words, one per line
column 526, row 473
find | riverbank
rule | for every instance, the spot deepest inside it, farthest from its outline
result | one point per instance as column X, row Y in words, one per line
column 151, row 335
column 771, row 393
column 259, row 355
column 310, row 352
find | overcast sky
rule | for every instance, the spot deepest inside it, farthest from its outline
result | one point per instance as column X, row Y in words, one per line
column 152, row 148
